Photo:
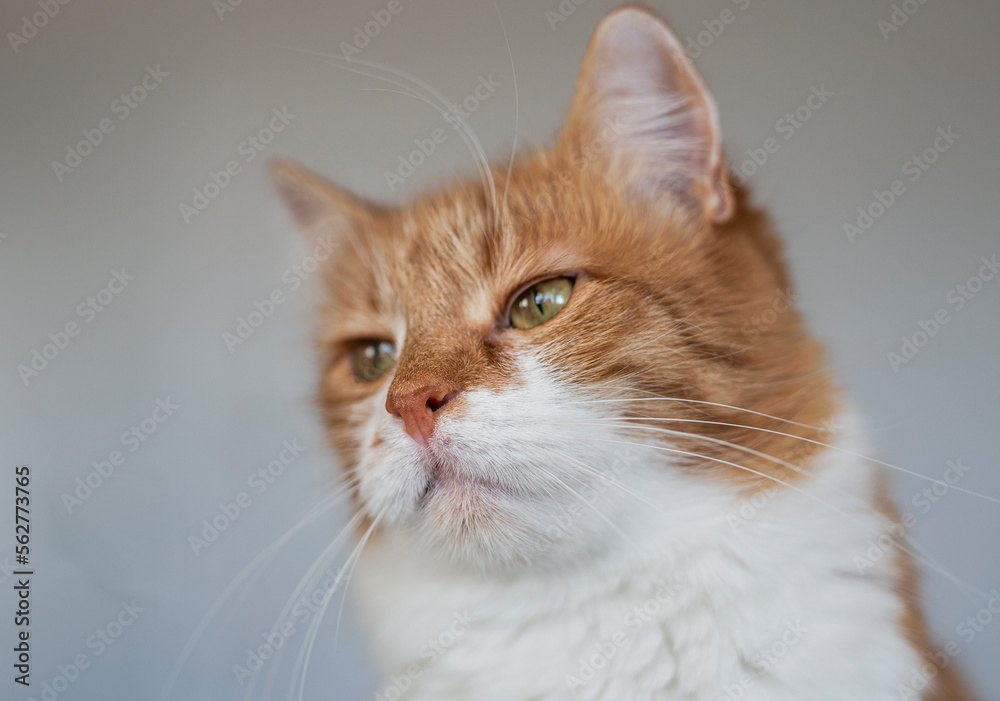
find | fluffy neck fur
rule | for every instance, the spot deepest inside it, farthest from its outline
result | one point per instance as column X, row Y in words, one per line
column 765, row 606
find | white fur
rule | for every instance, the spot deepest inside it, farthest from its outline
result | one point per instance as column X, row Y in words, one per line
column 715, row 596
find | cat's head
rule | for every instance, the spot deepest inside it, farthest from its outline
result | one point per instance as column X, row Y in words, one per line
column 536, row 366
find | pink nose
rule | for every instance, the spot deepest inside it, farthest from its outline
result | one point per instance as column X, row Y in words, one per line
column 420, row 407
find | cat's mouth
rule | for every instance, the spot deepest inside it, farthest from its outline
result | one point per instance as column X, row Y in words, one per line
column 446, row 479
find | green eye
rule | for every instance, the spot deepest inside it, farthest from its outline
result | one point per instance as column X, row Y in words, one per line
column 372, row 359
column 540, row 302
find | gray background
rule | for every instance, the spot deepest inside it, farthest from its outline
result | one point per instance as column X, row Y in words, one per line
column 162, row 336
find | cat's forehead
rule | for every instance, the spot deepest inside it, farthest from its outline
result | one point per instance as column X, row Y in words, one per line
column 450, row 231
column 458, row 255
column 469, row 238
column 527, row 219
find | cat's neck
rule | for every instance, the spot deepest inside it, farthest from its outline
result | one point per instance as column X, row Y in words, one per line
column 694, row 612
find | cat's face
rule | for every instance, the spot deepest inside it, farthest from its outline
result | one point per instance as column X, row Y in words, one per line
column 513, row 373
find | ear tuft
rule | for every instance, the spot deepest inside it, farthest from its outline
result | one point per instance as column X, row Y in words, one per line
column 639, row 93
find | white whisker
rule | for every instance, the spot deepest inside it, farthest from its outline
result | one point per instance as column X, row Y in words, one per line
column 589, row 505
column 305, row 652
column 464, row 131
column 305, row 582
column 513, row 148
column 691, row 401
column 597, row 473
column 832, row 447
column 955, row 580
column 267, row 554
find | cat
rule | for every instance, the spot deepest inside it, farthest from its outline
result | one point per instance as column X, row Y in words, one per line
column 592, row 449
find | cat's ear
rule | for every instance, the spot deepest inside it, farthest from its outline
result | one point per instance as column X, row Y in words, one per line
column 317, row 205
column 642, row 115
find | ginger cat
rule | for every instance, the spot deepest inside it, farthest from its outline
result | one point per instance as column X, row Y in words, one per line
column 552, row 398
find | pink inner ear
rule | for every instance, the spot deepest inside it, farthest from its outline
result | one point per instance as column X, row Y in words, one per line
column 636, row 75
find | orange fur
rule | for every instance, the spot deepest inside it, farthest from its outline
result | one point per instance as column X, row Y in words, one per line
column 669, row 292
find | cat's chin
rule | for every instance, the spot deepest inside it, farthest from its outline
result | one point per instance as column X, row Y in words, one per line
column 477, row 524
column 459, row 507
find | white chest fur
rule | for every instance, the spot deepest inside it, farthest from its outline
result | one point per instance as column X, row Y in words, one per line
column 766, row 607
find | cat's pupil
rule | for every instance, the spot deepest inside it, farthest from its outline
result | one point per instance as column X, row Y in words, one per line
column 540, row 301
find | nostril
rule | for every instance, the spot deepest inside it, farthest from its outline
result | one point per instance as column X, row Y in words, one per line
column 435, row 403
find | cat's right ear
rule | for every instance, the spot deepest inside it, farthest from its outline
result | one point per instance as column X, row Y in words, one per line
column 318, row 206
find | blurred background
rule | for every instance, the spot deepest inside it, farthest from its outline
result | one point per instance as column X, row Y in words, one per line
column 140, row 248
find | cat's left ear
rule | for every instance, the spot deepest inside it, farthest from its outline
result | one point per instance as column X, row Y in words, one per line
column 318, row 206
column 643, row 117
